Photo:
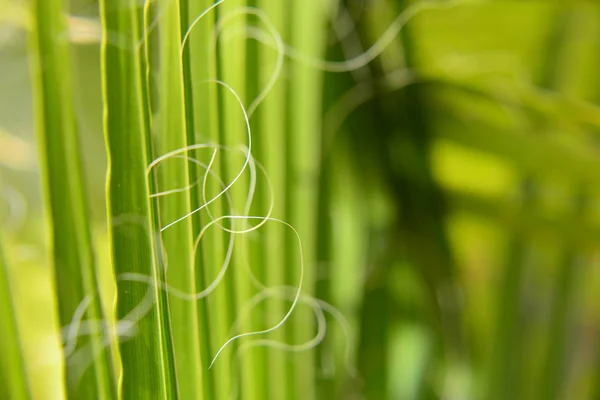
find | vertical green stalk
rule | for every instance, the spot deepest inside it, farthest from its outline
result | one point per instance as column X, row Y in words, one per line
column 270, row 143
column 13, row 375
column 303, row 142
column 257, row 250
column 233, row 57
column 177, row 239
column 325, row 385
column 216, row 312
column 89, row 371
column 199, row 105
column 147, row 358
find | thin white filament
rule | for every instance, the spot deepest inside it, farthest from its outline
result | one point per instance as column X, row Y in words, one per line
column 379, row 46
column 72, row 332
column 279, row 47
column 200, row 146
column 310, row 344
column 294, row 302
column 194, row 22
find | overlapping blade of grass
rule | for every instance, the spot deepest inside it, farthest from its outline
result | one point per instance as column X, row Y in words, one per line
column 200, row 101
column 70, row 236
column 13, row 375
column 232, row 55
column 269, row 123
column 216, row 312
column 257, row 250
column 173, row 120
column 303, row 140
column 147, row 358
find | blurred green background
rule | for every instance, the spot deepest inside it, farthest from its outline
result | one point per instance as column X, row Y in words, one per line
column 458, row 219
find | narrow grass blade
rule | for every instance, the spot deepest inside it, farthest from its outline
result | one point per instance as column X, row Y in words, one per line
column 198, row 106
column 13, row 375
column 303, row 130
column 269, row 124
column 89, row 371
column 147, row 358
column 232, row 55
column 257, row 250
column 216, row 312
column 173, row 121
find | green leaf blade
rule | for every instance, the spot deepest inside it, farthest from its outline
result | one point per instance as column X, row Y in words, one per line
column 175, row 173
column 147, row 359
column 304, row 126
column 89, row 368
column 216, row 312
column 13, row 375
